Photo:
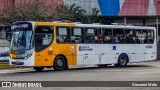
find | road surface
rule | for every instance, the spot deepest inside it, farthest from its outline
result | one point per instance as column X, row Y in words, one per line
column 144, row 71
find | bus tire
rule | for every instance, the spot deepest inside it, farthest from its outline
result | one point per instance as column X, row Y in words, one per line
column 60, row 63
column 38, row 69
column 122, row 60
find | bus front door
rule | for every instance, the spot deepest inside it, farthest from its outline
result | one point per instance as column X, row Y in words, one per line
column 43, row 45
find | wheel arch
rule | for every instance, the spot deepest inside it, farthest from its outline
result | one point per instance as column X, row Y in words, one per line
column 64, row 58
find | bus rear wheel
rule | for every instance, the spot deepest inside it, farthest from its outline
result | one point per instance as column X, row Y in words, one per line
column 38, row 69
column 60, row 63
column 122, row 61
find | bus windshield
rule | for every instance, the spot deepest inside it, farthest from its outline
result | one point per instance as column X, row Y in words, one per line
column 22, row 40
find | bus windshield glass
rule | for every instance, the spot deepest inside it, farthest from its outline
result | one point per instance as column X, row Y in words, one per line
column 22, row 40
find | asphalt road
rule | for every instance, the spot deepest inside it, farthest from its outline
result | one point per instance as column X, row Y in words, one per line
column 144, row 71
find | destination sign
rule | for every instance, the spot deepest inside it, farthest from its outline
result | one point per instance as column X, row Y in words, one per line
column 21, row 26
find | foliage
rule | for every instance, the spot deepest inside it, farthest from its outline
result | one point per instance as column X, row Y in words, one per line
column 33, row 10
column 61, row 13
column 81, row 15
column 38, row 10
column 91, row 18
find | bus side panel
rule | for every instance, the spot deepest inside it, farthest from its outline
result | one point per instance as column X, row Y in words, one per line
column 43, row 58
column 155, row 46
column 106, row 54
column 150, row 52
column 86, row 54
column 37, row 60
column 140, row 52
column 128, row 49
column 151, row 49
column 68, row 50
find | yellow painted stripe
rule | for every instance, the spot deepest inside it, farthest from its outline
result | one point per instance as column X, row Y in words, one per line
column 54, row 24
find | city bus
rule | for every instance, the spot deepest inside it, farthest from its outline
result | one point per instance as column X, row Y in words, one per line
column 60, row 44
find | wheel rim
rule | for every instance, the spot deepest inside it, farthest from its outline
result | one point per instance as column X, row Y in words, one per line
column 123, row 61
column 60, row 62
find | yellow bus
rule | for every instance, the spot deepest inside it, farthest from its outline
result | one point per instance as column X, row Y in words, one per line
column 60, row 45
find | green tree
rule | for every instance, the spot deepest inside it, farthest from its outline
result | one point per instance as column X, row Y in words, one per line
column 91, row 18
column 76, row 11
column 39, row 10
column 81, row 15
column 62, row 13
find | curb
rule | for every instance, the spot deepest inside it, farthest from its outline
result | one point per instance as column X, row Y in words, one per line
column 15, row 70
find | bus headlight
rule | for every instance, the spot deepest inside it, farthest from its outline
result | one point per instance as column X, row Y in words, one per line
column 28, row 56
column 25, row 58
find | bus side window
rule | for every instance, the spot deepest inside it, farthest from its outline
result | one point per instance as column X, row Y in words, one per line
column 63, row 35
column 43, row 37
column 91, row 36
column 38, row 39
column 141, row 36
column 100, row 36
column 150, row 36
column 107, row 33
column 77, row 35
column 118, row 36
column 130, row 36
column 9, row 35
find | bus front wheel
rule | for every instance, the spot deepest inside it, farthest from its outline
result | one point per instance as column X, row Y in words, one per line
column 60, row 63
column 38, row 69
column 122, row 61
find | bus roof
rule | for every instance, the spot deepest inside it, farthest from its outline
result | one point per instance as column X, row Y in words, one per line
column 87, row 25
column 114, row 26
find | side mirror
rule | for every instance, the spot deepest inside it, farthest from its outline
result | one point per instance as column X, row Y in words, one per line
column 9, row 35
